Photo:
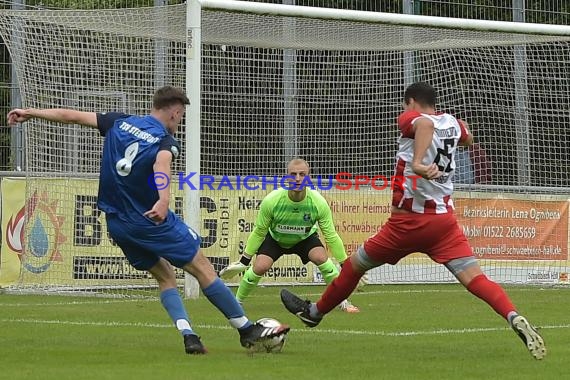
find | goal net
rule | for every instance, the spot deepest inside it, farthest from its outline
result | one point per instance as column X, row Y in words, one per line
column 277, row 84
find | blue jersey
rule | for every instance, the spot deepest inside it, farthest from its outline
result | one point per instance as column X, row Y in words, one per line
column 129, row 153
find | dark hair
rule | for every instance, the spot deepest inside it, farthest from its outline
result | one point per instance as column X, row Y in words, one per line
column 422, row 93
column 168, row 96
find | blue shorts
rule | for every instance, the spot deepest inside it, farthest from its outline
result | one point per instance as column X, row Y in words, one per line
column 144, row 242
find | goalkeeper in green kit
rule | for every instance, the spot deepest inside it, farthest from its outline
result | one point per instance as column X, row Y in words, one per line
column 287, row 223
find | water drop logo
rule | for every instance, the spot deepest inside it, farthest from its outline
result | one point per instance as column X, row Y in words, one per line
column 34, row 234
column 39, row 246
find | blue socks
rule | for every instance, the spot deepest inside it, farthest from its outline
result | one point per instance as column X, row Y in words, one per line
column 222, row 298
column 218, row 294
column 172, row 302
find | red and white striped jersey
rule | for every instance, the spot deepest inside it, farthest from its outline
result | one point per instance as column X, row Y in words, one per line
column 422, row 195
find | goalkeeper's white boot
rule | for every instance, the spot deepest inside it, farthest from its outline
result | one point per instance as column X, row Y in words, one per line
column 362, row 283
column 347, row 307
column 531, row 338
column 232, row 270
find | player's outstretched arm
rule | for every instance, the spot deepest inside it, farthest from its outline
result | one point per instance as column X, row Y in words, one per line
column 58, row 115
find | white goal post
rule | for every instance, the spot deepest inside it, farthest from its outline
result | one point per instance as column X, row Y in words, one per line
column 270, row 26
column 268, row 82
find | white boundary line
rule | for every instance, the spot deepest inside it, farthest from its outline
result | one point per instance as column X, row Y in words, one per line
column 73, row 303
column 356, row 293
column 317, row 331
column 419, row 291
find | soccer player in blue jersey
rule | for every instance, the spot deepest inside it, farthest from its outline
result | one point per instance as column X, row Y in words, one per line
column 138, row 217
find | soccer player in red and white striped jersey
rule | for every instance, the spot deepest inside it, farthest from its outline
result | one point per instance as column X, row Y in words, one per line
column 422, row 219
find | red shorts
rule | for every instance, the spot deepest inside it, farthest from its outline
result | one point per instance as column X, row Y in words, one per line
column 437, row 235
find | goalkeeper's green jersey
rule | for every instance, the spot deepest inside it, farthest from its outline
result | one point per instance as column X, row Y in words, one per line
column 290, row 222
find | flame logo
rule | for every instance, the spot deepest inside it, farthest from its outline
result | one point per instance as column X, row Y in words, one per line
column 15, row 231
column 40, row 251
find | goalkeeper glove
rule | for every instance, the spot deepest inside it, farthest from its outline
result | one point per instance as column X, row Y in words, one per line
column 236, row 268
column 232, row 270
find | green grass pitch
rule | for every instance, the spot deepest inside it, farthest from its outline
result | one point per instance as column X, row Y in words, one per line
column 402, row 332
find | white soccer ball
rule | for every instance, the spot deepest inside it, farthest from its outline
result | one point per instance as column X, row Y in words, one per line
column 274, row 344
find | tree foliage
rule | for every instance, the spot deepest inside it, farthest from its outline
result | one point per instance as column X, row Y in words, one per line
column 96, row 4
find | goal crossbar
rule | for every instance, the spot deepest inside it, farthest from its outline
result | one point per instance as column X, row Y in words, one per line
column 384, row 18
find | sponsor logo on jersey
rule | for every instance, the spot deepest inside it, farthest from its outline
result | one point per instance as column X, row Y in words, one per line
column 285, row 229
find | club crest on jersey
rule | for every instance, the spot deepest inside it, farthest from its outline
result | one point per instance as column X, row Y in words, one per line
column 307, row 217
column 174, row 151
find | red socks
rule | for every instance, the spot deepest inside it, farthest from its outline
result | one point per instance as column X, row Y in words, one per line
column 492, row 293
column 339, row 289
column 342, row 286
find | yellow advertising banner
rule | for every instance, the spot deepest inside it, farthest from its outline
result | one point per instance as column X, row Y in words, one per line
column 358, row 217
column 13, row 213
column 227, row 220
column 67, row 243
